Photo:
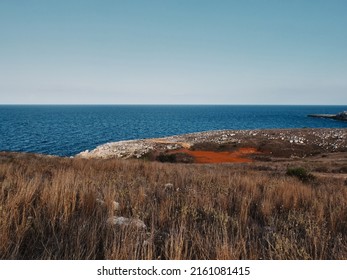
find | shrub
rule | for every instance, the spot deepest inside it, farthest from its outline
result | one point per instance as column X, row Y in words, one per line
column 343, row 169
column 175, row 158
column 301, row 173
column 167, row 158
column 323, row 169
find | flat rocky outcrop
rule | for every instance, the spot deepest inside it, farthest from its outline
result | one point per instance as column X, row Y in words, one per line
column 340, row 116
column 278, row 142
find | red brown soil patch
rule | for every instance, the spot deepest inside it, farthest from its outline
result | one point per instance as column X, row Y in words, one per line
column 219, row 157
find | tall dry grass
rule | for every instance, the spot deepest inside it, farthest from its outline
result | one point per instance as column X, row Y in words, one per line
column 49, row 209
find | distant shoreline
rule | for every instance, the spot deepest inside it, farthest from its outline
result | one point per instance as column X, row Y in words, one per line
column 125, row 104
column 261, row 144
column 339, row 117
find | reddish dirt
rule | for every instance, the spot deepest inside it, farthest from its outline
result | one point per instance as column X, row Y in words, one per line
column 219, row 157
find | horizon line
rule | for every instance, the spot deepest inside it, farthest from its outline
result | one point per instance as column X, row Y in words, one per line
column 160, row 104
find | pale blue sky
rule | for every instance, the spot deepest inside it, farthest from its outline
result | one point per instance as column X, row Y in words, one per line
column 173, row 52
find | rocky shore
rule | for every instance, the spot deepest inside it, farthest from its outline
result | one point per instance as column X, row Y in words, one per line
column 340, row 116
column 275, row 142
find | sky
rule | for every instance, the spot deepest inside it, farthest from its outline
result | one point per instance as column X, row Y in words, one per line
column 173, row 52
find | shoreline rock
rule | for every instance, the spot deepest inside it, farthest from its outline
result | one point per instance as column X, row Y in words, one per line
column 340, row 116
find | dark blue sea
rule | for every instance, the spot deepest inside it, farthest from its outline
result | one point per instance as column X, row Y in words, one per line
column 68, row 130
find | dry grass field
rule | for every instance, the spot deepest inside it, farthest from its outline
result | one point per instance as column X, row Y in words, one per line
column 59, row 208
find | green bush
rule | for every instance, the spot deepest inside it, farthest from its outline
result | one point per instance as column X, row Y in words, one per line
column 167, row 158
column 301, row 173
column 175, row 158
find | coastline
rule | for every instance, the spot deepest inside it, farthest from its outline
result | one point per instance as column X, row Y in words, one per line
column 288, row 143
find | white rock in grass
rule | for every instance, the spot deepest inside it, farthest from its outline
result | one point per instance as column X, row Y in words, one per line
column 116, row 205
column 168, row 187
column 123, row 221
column 100, row 201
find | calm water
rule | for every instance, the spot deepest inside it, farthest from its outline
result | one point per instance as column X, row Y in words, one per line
column 67, row 130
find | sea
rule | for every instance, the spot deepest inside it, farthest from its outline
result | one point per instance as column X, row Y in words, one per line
column 65, row 130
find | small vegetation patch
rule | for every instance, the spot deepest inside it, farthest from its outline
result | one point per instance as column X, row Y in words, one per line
column 322, row 169
column 301, row 173
column 175, row 158
column 167, row 157
column 214, row 147
column 342, row 169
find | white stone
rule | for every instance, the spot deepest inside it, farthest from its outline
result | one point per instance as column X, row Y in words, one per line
column 116, row 205
column 123, row 221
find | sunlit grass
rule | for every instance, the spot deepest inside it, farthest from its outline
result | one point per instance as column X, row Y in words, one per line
column 49, row 209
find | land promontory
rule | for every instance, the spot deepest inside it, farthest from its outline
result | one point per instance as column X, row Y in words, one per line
column 340, row 116
column 227, row 146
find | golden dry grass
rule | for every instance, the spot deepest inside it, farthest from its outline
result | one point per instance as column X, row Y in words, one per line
column 49, row 209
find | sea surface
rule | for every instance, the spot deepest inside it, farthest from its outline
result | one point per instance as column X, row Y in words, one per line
column 67, row 130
